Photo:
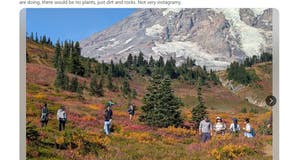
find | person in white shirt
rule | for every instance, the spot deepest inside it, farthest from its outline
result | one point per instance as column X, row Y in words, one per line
column 61, row 117
column 248, row 129
column 220, row 126
column 235, row 127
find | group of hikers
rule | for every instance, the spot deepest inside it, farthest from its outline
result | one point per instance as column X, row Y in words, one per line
column 108, row 115
column 206, row 128
column 61, row 117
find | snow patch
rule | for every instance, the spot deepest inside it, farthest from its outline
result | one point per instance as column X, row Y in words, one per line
column 189, row 49
column 112, row 40
column 110, row 45
column 155, row 30
column 174, row 10
column 251, row 38
column 127, row 41
column 124, row 50
column 258, row 11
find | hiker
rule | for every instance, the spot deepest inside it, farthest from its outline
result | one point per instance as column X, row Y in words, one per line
column 108, row 119
column 205, row 129
column 248, row 130
column 131, row 111
column 235, row 127
column 62, row 118
column 44, row 115
column 220, row 126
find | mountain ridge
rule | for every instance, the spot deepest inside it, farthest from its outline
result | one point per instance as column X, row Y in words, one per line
column 213, row 37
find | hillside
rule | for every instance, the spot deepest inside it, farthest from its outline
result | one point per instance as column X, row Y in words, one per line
column 84, row 137
column 253, row 93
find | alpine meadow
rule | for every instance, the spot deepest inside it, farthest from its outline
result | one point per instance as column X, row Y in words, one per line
column 186, row 84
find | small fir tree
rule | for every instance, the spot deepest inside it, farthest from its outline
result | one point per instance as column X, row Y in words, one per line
column 161, row 107
column 199, row 111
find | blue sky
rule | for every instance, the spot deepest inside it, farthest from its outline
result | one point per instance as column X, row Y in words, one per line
column 72, row 24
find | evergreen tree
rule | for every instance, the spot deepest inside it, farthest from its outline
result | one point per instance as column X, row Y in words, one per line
column 190, row 63
column 112, row 68
column 93, row 85
column 160, row 62
column 32, row 36
column 75, row 63
column 151, row 62
column 110, row 85
column 129, row 61
column 169, row 68
column 135, row 61
column 161, row 107
column 36, row 38
column 88, row 68
column 66, row 56
column 199, row 111
column 57, row 54
column 44, row 40
column 61, row 80
column 96, row 89
column 265, row 57
column 214, row 77
column 74, row 84
column 49, row 41
column 140, row 60
column 125, row 87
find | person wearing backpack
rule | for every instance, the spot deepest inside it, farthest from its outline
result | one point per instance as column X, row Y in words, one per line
column 108, row 119
column 248, row 130
column 220, row 126
column 131, row 111
column 62, row 118
column 205, row 129
column 44, row 115
column 235, row 127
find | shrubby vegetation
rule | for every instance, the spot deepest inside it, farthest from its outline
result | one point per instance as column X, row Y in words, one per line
column 240, row 74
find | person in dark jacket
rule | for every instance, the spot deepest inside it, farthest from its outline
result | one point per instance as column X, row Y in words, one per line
column 131, row 111
column 44, row 115
column 108, row 119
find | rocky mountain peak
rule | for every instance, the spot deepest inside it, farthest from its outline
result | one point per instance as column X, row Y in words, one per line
column 213, row 37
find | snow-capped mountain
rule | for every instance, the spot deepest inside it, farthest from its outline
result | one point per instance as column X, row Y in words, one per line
column 213, row 37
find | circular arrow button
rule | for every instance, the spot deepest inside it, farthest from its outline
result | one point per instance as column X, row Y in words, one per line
column 270, row 100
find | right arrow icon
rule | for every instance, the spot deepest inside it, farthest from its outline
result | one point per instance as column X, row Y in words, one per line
column 270, row 100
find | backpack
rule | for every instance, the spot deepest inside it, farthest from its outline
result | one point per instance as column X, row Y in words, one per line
column 44, row 113
column 252, row 131
column 43, row 117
